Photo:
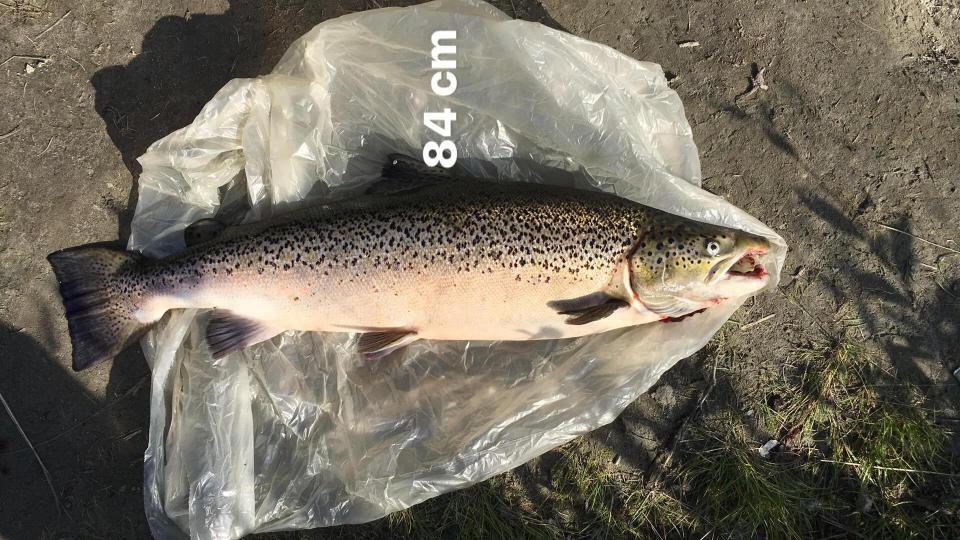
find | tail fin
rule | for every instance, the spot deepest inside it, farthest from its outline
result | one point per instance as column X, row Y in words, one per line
column 99, row 313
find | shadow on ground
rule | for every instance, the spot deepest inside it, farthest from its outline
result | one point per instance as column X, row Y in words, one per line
column 92, row 447
column 912, row 328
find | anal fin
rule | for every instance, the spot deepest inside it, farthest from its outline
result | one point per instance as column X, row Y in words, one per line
column 378, row 344
column 228, row 332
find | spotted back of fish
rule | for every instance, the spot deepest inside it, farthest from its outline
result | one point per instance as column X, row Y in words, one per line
column 478, row 228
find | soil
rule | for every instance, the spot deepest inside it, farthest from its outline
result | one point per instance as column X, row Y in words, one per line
column 836, row 123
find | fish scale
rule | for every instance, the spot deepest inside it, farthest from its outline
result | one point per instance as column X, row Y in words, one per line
column 450, row 260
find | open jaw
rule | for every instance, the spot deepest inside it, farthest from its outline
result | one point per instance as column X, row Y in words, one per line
column 746, row 266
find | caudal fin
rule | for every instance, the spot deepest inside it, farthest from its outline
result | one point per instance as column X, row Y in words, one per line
column 99, row 310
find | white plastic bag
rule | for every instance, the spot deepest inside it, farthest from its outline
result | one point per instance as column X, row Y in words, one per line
column 299, row 431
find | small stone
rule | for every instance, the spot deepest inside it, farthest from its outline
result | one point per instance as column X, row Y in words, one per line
column 664, row 396
column 768, row 447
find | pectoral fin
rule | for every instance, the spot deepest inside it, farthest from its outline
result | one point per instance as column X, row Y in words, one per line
column 376, row 345
column 228, row 332
column 589, row 308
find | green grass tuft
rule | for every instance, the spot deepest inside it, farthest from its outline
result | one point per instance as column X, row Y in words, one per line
column 875, row 455
column 487, row 510
column 592, row 499
column 890, row 439
column 737, row 490
column 586, row 498
column 584, row 486
column 655, row 512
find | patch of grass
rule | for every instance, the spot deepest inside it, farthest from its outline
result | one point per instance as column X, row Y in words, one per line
column 587, row 498
column 830, row 392
column 890, row 442
column 487, row 510
column 875, row 455
column 858, row 454
column 896, row 455
column 655, row 512
column 737, row 490
column 584, row 487
column 591, row 498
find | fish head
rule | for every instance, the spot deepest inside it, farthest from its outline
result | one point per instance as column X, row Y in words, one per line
column 691, row 265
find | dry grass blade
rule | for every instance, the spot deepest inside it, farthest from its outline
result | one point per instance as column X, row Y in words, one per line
column 10, row 133
column 46, row 473
column 758, row 321
column 915, row 237
column 129, row 392
column 58, row 21
column 26, row 57
column 894, row 469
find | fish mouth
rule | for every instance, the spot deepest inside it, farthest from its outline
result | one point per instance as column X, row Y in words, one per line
column 747, row 265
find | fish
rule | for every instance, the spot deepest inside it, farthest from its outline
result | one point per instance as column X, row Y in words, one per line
column 421, row 256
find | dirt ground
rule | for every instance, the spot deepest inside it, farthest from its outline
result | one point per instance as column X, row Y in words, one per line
column 836, row 123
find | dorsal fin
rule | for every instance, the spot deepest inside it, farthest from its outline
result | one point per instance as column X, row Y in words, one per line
column 202, row 230
column 403, row 173
column 404, row 166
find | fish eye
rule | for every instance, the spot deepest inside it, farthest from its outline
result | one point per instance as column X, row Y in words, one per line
column 713, row 248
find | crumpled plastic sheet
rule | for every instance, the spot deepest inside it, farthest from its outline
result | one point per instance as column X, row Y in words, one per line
column 301, row 432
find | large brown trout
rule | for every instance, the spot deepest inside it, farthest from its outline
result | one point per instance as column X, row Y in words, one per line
column 420, row 259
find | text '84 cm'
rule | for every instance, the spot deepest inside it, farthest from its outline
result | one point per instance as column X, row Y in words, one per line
column 443, row 83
